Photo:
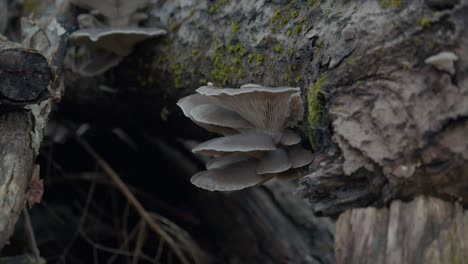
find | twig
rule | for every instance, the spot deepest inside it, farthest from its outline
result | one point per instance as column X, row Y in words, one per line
column 132, row 199
column 32, row 237
column 139, row 242
column 82, row 220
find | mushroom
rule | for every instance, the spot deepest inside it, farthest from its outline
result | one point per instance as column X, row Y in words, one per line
column 117, row 32
column 258, row 142
column 443, row 61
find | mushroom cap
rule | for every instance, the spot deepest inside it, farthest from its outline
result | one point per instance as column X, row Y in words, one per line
column 250, row 141
column 266, row 108
column 117, row 12
column 218, row 115
column 274, row 161
column 443, row 61
column 245, row 89
column 299, row 156
column 119, row 40
column 226, row 160
column 233, row 177
column 188, row 103
column 289, row 138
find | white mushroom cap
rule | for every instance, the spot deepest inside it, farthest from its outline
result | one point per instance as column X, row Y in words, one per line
column 289, row 138
column 250, row 141
column 236, row 176
column 444, row 61
column 188, row 103
column 119, row 40
column 245, row 89
column 299, row 156
column 218, row 115
column 117, row 12
column 226, row 160
column 274, row 161
column 266, row 108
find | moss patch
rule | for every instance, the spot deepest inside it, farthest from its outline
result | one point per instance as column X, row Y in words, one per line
column 315, row 107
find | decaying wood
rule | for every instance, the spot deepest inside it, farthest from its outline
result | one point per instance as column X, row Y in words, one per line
column 425, row 230
column 19, row 127
column 27, row 84
column 266, row 225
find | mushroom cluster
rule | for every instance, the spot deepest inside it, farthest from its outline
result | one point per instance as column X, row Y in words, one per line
column 112, row 26
column 258, row 143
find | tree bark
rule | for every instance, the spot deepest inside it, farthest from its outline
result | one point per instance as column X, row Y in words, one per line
column 425, row 230
column 18, row 132
column 27, row 88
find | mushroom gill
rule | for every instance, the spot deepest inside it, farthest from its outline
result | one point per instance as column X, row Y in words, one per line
column 257, row 142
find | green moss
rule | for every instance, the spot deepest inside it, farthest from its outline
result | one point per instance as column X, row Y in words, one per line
column 298, row 29
column 235, row 28
column 387, row 3
column 259, row 59
column 311, row 2
column 250, row 58
column 215, row 5
column 289, row 33
column 319, row 46
column 425, row 22
column 237, row 50
column 293, row 13
column 29, row 6
column 315, row 107
column 278, row 48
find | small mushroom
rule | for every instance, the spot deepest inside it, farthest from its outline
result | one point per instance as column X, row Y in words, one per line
column 443, row 61
column 116, row 12
column 235, row 176
column 111, row 25
column 258, row 120
column 251, row 141
column 119, row 40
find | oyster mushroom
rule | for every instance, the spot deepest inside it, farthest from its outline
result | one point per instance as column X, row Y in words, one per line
column 259, row 145
column 112, row 26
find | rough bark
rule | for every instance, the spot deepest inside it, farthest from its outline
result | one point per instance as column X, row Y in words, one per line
column 425, row 230
column 18, row 132
column 27, row 85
